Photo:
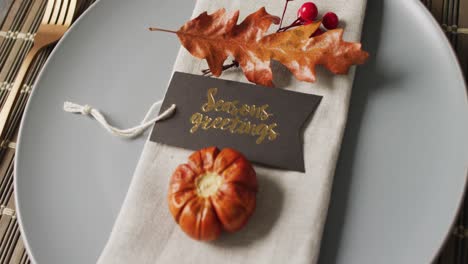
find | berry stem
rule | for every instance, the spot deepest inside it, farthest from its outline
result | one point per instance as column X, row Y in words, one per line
column 161, row 29
column 296, row 23
column 284, row 12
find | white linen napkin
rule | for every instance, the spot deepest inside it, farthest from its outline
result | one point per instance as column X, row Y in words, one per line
column 291, row 206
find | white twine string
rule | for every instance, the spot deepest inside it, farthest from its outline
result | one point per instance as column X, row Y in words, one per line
column 125, row 133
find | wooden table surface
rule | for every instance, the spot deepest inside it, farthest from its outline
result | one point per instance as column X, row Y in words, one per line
column 19, row 16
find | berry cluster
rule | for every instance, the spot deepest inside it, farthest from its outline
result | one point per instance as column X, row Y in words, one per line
column 307, row 14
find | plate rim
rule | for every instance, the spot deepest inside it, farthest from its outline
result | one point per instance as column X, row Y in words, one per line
column 20, row 131
column 453, row 55
column 427, row 14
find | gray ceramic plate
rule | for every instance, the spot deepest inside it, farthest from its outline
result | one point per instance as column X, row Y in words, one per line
column 402, row 168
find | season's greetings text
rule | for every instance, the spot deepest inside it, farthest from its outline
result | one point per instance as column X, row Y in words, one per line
column 238, row 121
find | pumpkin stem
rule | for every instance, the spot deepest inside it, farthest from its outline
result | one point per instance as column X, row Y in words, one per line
column 208, row 184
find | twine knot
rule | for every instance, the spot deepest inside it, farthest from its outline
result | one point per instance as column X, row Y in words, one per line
column 86, row 110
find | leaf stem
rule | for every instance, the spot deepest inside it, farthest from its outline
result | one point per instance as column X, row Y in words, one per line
column 207, row 72
column 161, row 29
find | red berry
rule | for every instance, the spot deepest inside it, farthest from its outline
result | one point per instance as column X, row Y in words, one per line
column 317, row 33
column 307, row 12
column 330, row 20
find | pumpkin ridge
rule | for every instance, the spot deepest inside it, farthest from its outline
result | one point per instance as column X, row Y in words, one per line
column 214, row 210
column 198, row 223
column 230, row 164
column 193, row 165
column 187, row 166
column 222, row 212
column 185, row 189
column 242, row 185
column 243, row 207
column 182, row 208
column 208, row 208
column 203, row 154
column 228, row 197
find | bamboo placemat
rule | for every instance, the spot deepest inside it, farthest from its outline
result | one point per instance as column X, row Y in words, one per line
column 19, row 20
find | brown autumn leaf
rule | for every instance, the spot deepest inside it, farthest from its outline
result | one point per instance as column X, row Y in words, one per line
column 300, row 54
column 215, row 37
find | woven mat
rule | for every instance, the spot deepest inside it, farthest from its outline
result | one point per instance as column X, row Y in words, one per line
column 19, row 20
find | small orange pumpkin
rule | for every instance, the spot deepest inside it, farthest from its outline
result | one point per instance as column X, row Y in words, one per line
column 214, row 191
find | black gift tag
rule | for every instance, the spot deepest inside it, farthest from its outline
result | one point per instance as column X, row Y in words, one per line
column 265, row 124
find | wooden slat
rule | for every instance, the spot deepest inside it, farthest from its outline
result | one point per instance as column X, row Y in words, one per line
column 16, row 6
column 5, row 6
column 18, row 253
column 437, row 7
column 462, row 42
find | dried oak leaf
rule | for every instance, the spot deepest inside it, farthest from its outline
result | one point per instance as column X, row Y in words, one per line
column 215, row 37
